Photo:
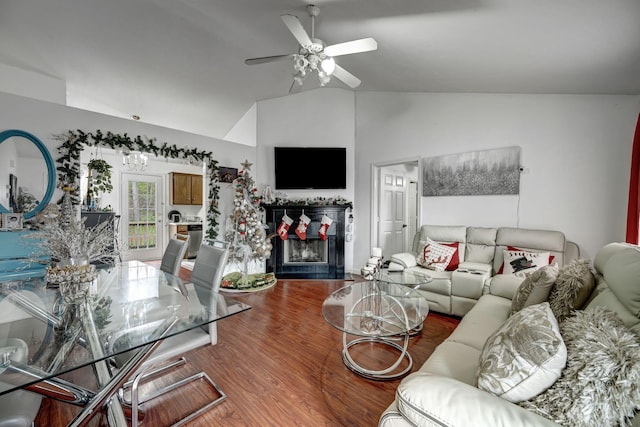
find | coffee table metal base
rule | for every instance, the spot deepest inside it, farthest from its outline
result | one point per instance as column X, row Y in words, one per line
column 382, row 374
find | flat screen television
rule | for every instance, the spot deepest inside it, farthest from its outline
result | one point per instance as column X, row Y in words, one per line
column 317, row 168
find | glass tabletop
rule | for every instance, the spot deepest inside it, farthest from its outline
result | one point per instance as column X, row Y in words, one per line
column 128, row 306
column 375, row 308
column 404, row 277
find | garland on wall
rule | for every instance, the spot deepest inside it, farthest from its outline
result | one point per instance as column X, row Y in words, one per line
column 73, row 142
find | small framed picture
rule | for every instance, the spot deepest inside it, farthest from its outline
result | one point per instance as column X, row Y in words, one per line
column 12, row 221
column 227, row 174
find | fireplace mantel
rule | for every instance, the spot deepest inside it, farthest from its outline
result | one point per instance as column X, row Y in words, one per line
column 333, row 268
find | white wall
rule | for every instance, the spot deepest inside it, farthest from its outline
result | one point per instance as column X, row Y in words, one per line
column 317, row 118
column 45, row 120
column 577, row 150
column 8, row 163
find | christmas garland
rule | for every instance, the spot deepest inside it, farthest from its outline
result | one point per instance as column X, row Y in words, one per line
column 315, row 201
column 73, row 142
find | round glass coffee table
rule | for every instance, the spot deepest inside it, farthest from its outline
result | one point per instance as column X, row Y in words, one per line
column 413, row 279
column 376, row 312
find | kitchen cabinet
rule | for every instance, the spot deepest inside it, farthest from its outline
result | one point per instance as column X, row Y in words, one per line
column 185, row 189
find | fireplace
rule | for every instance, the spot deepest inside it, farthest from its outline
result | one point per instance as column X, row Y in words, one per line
column 296, row 251
column 312, row 258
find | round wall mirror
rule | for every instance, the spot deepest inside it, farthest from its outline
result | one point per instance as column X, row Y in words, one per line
column 27, row 175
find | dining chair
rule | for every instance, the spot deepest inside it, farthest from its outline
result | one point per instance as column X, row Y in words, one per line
column 207, row 272
column 19, row 408
column 173, row 255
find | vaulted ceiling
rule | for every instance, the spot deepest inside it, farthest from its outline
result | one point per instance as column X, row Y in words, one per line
column 180, row 63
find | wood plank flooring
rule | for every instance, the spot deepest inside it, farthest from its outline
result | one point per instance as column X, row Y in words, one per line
column 280, row 364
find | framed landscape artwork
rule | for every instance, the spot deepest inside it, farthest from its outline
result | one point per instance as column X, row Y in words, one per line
column 488, row 172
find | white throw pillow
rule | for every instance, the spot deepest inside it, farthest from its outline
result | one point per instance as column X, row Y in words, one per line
column 524, row 357
column 435, row 256
column 522, row 263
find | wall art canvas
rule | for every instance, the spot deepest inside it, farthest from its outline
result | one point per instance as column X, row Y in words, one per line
column 487, row 172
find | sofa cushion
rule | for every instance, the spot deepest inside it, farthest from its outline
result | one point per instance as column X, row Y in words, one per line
column 600, row 385
column 435, row 256
column 535, row 288
column 453, row 360
column 574, row 285
column 489, row 313
column 524, row 357
column 481, row 244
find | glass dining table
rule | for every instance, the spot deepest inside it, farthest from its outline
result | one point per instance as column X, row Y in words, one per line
column 57, row 336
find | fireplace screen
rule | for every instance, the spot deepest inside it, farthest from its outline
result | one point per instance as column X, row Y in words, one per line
column 299, row 251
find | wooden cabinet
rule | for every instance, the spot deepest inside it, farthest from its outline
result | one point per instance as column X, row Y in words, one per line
column 186, row 189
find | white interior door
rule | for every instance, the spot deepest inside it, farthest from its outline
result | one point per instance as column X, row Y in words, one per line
column 392, row 205
column 141, row 216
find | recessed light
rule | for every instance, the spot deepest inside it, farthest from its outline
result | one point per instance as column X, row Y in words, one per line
column 135, row 117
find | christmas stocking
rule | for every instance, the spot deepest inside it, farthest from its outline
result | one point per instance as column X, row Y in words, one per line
column 325, row 223
column 283, row 228
column 301, row 229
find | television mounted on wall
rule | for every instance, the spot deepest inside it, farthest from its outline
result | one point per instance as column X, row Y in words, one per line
column 315, row 168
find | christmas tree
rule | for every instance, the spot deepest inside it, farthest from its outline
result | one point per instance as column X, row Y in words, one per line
column 244, row 230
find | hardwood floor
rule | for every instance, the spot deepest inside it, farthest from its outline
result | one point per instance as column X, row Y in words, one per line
column 280, row 364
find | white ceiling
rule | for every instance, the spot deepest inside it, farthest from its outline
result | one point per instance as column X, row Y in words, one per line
column 180, row 63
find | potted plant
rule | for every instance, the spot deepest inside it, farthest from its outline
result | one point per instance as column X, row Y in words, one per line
column 99, row 179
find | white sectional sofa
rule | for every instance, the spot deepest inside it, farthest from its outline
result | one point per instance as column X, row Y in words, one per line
column 444, row 391
column 481, row 257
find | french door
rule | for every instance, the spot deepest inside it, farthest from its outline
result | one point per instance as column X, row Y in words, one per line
column 142, row 216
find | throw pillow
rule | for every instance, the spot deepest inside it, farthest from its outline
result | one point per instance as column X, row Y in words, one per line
column 524, row 357
column 435, row 256
column 513, row 248
column 535, row 288
column 455, row 259
column 573, row 286
column 601, row 384
column 522, row 262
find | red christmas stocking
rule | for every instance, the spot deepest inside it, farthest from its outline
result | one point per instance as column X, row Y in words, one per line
column 325, row 223
column 283, row 228
column 301, row 229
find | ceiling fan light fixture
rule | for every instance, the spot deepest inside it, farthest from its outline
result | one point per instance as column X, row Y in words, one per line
column 328, row 65
column 323, row 78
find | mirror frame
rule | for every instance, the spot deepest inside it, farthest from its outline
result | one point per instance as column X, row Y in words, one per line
column 51, row 184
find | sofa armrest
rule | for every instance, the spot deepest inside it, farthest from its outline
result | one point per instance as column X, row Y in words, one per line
column 428, row 400
column 405, row 259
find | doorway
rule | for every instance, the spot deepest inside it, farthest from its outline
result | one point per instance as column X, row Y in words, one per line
column 142, row 216
column 395, row 205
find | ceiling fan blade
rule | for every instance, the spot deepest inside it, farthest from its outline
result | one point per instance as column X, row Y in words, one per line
column 348, row 78
column 355, row 46
column 262, row 60
column 295, row 87
column 293, row 23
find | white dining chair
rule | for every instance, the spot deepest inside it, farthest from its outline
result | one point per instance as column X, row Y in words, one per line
column 207, row 272
column 173, row 255
column 19, row 408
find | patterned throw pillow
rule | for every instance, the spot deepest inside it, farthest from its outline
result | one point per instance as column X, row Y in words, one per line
column 573, row 287
column 513, row 248
column 535, row 288
column 600, row 387
column 524, row 357
column 435, row 256
column 522, row 262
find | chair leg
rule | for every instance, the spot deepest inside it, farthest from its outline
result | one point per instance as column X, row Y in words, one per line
column 144, row 375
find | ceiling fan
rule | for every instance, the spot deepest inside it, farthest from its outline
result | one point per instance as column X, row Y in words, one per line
column 314, row 55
